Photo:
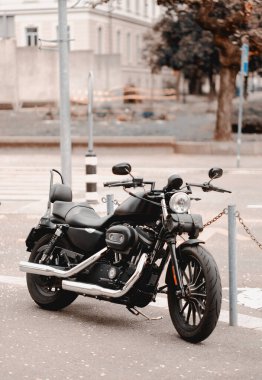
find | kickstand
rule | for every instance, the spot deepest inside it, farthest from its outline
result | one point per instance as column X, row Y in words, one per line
column 136, row 312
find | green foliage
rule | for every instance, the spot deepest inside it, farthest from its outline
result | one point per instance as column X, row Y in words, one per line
column 181, row 44
column 232, row 20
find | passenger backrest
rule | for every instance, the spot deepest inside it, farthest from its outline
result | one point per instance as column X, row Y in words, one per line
column 60, row 192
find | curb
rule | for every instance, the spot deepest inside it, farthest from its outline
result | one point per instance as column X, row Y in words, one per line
column 180, row 147
column 251, row 148
column 99, row 141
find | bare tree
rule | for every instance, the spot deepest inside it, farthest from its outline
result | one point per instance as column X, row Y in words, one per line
column 91, row 3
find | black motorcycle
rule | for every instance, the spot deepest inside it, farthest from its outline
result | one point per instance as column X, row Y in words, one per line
column 120, row 257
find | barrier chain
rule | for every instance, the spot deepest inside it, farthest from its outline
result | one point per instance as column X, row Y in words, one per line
column 247, row 230
column 237, row 215
column 115, row 202
column 224, row 212
column 110, row 202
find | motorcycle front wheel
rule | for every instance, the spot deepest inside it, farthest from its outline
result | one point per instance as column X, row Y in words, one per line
column 195, row 314
column 46, row 291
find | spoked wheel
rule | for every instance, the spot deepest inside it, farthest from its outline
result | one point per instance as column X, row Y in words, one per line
column 195, row 314
column 46, row 291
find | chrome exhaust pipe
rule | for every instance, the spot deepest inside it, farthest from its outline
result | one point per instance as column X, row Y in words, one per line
column 47, row 270
column 99, row 291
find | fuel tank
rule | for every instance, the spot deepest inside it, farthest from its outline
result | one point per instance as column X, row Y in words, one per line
column 138, row 209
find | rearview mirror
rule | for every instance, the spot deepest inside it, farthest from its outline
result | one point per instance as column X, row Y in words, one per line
column 122, row 168
column 215, row 173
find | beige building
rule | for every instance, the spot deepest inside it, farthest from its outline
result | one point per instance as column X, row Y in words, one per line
column 107, row 39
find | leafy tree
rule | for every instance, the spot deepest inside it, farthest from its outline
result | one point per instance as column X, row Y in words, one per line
column 181, row 44
column 230, row 22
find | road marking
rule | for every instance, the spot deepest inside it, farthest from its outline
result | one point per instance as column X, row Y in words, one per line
column 243, row 320
column 12, row 280
column 246, row 321
column 254, row 206
column 250, row 297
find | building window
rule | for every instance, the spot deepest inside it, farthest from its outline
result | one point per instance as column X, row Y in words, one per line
column 118, row 4
column 118, row 42
column 31, row 36
column 99, row 40
column 145, row 8
column 138, row 49
column 128, row 5
column 154, row 9
column 6, row 26
column 128, row 47
column 137, row 7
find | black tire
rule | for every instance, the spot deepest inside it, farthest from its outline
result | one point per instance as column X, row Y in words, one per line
column 46, row 291
column 196, row 314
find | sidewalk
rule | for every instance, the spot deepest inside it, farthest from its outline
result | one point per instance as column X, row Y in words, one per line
column 181, row 147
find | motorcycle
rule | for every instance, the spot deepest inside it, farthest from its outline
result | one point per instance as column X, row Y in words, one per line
column 120, row 257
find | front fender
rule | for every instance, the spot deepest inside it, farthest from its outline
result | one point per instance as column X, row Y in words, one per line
column 190, row 243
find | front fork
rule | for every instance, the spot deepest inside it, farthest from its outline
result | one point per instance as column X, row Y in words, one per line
column 172, row 247
column 175, row 267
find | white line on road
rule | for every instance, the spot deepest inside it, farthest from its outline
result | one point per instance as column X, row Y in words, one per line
column 243, row 320
column 254, row 206
column 12, row 280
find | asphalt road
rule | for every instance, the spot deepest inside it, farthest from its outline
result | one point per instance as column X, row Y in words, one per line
column 94, row 339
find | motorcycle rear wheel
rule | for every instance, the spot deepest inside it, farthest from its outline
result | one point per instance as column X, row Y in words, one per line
column 195, row 315
column 45, row 291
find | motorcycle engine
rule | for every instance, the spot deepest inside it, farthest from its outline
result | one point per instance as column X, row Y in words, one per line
column 125, row 246
column 128, row 241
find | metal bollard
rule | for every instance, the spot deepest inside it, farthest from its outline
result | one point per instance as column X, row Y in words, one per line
column 91, row 178
column 90, row 158
column 232, row 264
column 110, row 203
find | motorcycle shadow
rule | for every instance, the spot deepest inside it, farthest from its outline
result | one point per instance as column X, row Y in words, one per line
column 115, row 319
column 110, row 315
column 112, row 319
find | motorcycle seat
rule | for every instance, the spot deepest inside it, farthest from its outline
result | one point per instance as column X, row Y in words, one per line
column 79, row 215
column 61, row 208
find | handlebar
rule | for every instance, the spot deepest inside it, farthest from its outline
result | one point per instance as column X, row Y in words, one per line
column 208, row 187
column 135, row 182
column 218, row 189
column 116, row 183
column 138, row 182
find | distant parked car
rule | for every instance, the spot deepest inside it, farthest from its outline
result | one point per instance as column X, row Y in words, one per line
column 251, row 124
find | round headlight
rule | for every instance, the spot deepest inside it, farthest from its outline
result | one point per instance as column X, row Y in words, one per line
column 179, row 203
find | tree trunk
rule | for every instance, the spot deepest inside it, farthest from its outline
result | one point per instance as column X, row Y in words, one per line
column 225, row 101
column 212, row 86
column 177, row 85
column 195, row 85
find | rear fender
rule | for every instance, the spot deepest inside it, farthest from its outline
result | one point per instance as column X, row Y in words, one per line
column 36, row 233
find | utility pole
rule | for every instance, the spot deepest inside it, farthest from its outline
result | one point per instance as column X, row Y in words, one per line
column 65, row 132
